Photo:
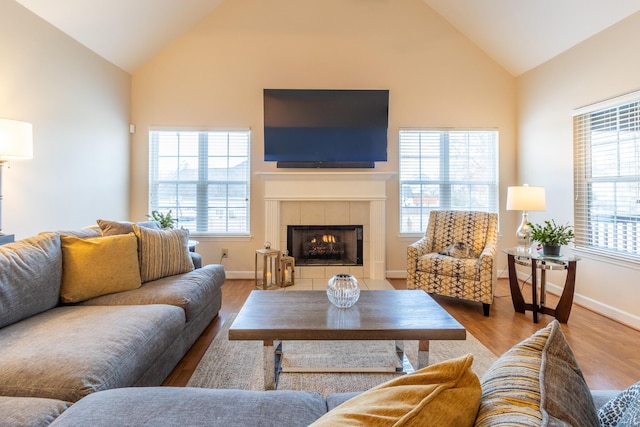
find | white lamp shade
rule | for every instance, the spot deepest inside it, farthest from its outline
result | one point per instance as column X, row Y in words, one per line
column 526, row 198
column 16, row 140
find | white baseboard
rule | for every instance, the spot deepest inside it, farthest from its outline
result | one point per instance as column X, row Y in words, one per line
column 246, row 275
column 396, row 274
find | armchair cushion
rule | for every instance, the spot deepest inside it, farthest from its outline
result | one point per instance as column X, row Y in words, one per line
column 467, row 268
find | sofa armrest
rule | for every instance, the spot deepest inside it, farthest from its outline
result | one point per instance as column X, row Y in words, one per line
column 196, row 258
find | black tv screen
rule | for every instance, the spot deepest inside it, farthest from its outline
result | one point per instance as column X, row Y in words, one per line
column 325, row 128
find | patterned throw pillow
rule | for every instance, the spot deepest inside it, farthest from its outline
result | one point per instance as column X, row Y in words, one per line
column 162, row 252
column 537, row 383
column 623, row 410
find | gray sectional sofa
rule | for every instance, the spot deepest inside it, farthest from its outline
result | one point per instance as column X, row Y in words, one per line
column 97, row 362
column 53, row 354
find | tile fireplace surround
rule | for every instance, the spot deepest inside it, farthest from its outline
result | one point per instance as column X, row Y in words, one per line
column 291, row 196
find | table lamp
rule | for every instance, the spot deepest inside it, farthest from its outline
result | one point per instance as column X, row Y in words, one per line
column 525, row 198
column 16, row 142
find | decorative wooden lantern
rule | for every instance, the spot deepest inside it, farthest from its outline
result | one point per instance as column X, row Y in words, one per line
column 287, row 271
column 267, row 266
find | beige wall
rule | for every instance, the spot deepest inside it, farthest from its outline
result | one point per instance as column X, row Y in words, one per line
column 78, row 104
column 602, row 67
column 213, row 76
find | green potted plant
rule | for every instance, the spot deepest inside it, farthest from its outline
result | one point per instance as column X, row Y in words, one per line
column 165, row 220
column 551, row 236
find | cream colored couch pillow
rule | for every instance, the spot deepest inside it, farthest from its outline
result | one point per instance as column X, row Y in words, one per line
column 98, row 266
column 163, row 252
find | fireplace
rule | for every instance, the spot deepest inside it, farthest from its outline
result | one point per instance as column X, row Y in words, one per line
column 322, row 245
column 363, row 193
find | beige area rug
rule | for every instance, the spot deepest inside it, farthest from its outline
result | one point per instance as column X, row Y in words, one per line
column 239, row 364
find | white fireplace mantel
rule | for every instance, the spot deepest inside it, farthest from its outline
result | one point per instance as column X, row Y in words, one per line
column 325, row 185
column 331, row 186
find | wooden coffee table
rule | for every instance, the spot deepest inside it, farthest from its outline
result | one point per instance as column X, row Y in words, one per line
column 399, row 315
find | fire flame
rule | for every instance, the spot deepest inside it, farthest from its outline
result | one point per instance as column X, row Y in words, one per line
column 326, row 238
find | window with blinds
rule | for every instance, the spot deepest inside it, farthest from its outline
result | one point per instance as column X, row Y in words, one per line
column 446, row 169
column 202, row 177
column 607, row 177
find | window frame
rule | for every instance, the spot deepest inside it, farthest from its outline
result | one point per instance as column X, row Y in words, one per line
column 585, row 138
column 203, row 181
column 444, row 181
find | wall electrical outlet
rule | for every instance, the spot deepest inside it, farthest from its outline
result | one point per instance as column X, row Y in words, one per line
column 224, row 252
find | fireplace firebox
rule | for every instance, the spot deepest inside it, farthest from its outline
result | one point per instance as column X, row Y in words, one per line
column 324, row 245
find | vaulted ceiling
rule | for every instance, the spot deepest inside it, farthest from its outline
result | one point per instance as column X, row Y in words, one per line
column 518, row 34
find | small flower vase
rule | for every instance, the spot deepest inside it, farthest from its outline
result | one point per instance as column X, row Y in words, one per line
column 343, row 290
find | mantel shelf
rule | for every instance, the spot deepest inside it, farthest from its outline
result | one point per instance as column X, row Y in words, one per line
column 326, row 176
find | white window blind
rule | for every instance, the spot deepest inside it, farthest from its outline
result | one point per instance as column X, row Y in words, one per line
column 446, row 169
column 202, row 177
column 607, row 177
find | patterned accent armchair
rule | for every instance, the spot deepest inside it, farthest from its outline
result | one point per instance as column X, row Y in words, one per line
column 470, row 278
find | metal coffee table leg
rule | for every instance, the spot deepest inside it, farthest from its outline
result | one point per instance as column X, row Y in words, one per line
column 410, row 366
column 423, row 354
column 272, row 359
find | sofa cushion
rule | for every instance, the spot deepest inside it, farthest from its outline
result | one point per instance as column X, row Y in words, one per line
column 111, row 228
column 177, row 406
column 191, row 291
column 73, row 351
column 98, row 266
column 623, row 410
column 442, row 395
column 29, row 411
column 162, row 252
column 30, row 272
column 336, row 399
column 537, row 383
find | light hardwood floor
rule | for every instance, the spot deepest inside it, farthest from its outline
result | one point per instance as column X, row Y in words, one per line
column 608, row 352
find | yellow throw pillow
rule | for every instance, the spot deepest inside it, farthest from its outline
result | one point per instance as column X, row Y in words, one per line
column 163, row 252
column 445, row 394
column 98, row 266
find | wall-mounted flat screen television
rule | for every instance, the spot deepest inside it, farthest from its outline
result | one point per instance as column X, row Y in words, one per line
column 325, row 128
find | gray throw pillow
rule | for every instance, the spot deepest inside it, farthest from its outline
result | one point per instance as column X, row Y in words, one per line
column 111, row 228
column 623, row 410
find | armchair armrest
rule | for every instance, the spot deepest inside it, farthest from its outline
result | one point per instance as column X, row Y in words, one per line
column 415, row 251
column 489, row 252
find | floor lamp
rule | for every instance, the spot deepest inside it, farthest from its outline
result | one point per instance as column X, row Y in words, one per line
column 16, row 142
column 525, row 199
